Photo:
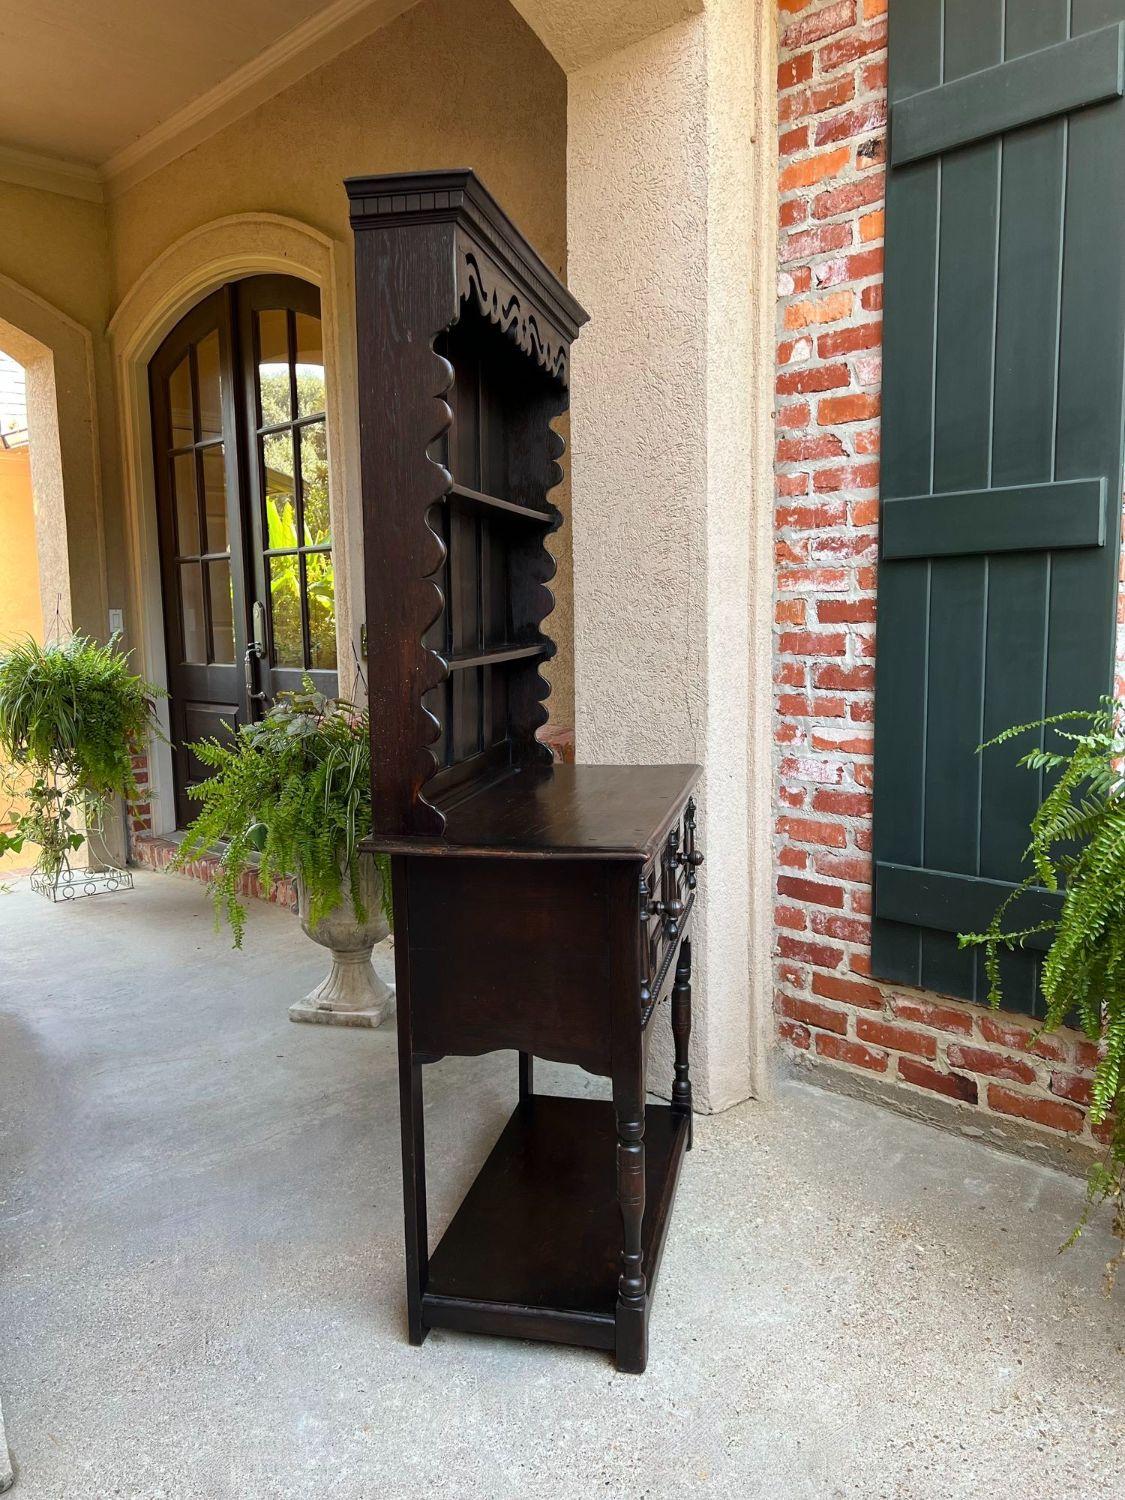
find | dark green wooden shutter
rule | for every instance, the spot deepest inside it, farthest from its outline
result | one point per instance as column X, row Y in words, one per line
column 1004, row 345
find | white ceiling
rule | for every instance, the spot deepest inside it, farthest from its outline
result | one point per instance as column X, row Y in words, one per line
column 83, row 79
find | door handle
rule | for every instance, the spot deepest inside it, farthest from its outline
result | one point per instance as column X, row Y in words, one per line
column 254, row 653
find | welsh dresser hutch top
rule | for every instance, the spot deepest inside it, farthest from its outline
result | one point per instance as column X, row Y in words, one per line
column 464, row 352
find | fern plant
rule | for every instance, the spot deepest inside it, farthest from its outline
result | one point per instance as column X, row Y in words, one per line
column 292, row 792
column 71, row 714
column 1077, row 845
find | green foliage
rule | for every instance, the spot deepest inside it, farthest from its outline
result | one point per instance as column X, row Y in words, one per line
column 294, row 791
column 285, row 579
column 71, row 713
column 1078, row 845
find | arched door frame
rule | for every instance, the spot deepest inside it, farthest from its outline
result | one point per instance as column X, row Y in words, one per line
column 57, row 355
column 228, row 250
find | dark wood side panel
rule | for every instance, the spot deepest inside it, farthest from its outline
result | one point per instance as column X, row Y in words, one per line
column 405, row 296
column 522, row 987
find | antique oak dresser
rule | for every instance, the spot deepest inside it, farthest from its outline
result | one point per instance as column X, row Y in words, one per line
column 538, row 907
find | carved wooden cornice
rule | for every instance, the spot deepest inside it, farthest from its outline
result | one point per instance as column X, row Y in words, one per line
column 496, row 268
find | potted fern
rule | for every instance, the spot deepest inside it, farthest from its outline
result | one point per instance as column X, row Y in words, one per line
column 1077, row 846
column 292, row 795
column 71, row 713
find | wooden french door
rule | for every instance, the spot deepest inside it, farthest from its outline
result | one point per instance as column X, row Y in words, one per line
column 241, row 459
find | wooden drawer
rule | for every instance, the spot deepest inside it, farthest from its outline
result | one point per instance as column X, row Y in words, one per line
column 667, row 894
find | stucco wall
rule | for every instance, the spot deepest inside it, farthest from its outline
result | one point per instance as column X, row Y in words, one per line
column 57, row 249
column 446, row 85
column 20, row 611
column 668, row 185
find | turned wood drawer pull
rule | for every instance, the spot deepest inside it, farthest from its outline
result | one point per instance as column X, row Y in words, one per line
column 690, row 858
column 670, row 912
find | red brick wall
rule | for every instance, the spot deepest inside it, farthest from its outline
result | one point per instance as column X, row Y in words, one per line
column 157, row 852
column 831, row 125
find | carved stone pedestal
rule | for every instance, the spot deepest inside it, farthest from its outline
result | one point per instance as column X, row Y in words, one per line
column 355, row 993
column 359, row 990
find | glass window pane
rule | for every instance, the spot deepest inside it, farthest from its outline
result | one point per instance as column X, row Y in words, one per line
column 215, row 499
column 320, row 588
column 210, row 386
column 180, row 405
column 222, row 611
column 285, row 611
column 191, row 612
column 187, row 510
column 314, row 485
column 310, row 366
column 274, row 397
column 280, row 488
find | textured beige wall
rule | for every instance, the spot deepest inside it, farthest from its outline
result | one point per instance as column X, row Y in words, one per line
column 57, row 248
column 581, row 32
column 54, row 287
column 446, row 85
column 671, row 249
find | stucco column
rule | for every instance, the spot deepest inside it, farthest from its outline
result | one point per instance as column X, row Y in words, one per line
column 670, row 249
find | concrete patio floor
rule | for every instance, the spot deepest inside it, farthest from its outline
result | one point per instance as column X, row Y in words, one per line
column 201, row 1267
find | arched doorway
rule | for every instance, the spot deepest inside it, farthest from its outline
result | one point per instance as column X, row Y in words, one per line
column 241, row 465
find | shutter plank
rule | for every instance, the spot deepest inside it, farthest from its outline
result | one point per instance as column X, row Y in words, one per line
column 1088, row 433
column 1051, row 81
column 909, row 327
column 1083, row 603
column 953, row 903
column 1031, row 196
column 962, row 448
column 1016, row 518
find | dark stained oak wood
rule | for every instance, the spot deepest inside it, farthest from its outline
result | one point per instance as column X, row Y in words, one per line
column 605, row 812
column 492, row 506
column 537, row 1228
column 681, row 1032
column 540, row 908
column 493, row 656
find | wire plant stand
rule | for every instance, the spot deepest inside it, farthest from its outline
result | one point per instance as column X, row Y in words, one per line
column 97, row 877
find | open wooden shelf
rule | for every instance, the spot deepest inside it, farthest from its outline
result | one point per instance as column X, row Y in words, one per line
column 493, row 656
column 492, row 505
column 534, row 1251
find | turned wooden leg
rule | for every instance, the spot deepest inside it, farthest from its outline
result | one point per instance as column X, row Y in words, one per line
column 527, row 1075
column 681, row 1033
column 632, row 1286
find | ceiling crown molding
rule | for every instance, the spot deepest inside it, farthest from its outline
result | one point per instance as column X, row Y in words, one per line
column 51, row 174
column 314, row 42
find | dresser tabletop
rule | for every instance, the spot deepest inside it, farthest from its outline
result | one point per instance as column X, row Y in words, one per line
column 560, row 812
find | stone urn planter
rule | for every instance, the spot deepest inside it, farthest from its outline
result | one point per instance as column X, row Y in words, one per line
column 353, row 994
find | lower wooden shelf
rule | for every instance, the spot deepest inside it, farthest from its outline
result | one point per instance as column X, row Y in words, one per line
column 534, row 1249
